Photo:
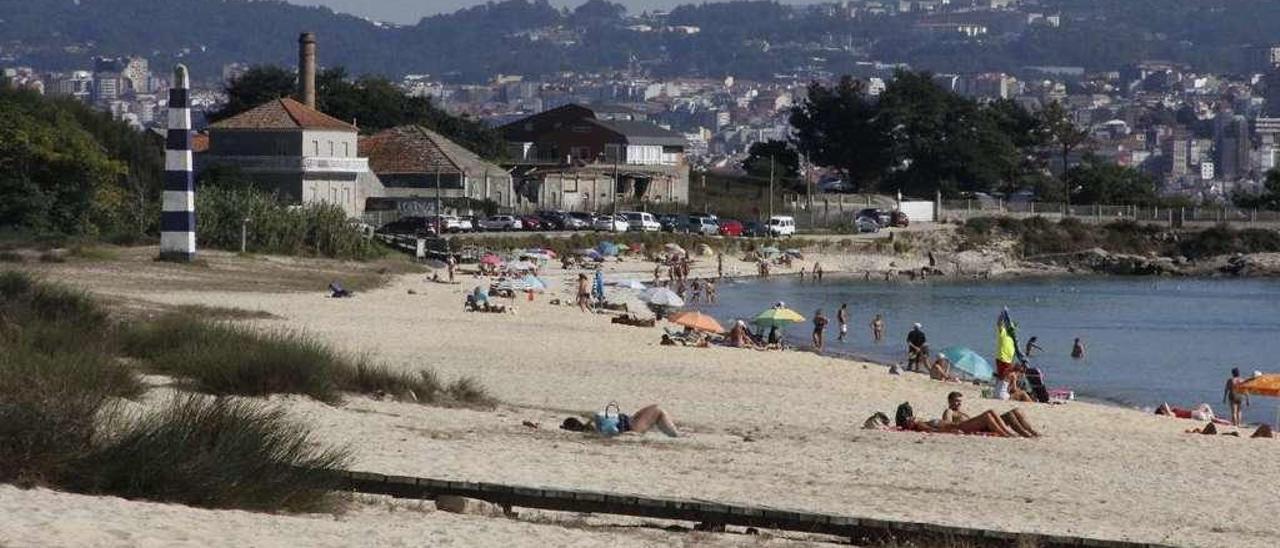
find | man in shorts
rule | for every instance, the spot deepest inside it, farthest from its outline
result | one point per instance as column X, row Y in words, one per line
column 842, row 318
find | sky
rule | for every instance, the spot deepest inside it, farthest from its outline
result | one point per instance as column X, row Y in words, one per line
column 408, row 12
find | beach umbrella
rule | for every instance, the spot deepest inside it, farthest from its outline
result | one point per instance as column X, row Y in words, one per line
column 1261, row 385
column 534, row 283
column 491, row 259
column 598, row 285
column 630, row 284
column 608, row 249
column 674, row 249
column 777, row 317
column 521, row 265
column 969, row 362
column 661, row 296
column 696, row 320
column 542, row 251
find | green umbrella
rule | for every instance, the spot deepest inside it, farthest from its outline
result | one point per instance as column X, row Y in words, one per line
column 777, row 317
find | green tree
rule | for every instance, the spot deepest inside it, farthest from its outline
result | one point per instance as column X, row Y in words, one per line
column 785, row 159
column 1061, row 130
column 1096, row 181
column 1268, row 199
column 256, row 86
column 837, row 127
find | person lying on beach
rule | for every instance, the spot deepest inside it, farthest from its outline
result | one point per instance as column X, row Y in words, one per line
column 1011, row 424
column 640, row 422
column 336, row 291
column 1201, row 412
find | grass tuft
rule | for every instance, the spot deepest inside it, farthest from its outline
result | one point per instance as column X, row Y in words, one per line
column 217, row 453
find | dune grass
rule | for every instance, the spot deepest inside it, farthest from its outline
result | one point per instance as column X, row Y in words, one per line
column 227, row 359
column 217, row 453
column 62, row 380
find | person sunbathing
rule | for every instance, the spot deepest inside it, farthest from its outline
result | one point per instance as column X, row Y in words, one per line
column 1010, row 425
column 941, row 369
column 645, row 419
column 740, row 338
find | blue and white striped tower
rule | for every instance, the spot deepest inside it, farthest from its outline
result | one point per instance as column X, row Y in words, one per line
column 178, row 219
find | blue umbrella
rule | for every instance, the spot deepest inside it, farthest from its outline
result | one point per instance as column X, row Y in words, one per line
column 969, row 362
column 608, row 249
column 534, row 283
column 599, row 286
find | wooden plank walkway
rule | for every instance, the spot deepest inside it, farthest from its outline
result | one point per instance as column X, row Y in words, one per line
column 711, row 513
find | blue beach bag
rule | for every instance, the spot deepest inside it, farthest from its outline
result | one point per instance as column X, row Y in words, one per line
column 609, row 424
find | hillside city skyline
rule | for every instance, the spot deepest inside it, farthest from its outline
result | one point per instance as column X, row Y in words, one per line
column 408, row 12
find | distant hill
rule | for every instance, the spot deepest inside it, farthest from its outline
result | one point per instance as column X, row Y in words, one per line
column 746, row 39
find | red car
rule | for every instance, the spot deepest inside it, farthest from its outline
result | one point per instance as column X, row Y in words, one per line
column 730, row 227
column 529, row 222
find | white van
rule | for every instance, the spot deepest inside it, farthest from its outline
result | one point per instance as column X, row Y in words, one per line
column 782, row 225
column 639, row 221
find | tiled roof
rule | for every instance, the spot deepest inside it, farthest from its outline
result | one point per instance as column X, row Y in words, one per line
column 642, row 133
column 415, row 149
column 283, row 113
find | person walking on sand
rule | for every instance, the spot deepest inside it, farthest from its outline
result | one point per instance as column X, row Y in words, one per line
column 1077, row 349
column 819, row 329
column 1231, row 396
column 450, row 263
column 584, row 293
column 877, row 328
column 842, row 319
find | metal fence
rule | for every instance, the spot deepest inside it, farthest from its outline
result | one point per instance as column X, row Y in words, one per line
column 964, row 209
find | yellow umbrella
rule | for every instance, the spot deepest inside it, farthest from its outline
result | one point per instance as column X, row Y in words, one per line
column 1262, row 385
column 696, row 320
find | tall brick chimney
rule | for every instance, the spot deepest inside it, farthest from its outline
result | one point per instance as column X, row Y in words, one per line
column 307, row 68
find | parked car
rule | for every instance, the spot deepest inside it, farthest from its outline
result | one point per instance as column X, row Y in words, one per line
column 469, row 223
column 409, row 226
column 530, row 222
column 730, row 227
column 754, row 229
column 501, row 222
column 876, row 214
column 610, row 223
column 899, row 218
column 866, row 224
column 702, row 224
column 669, row 222
column 782, row 225
column 639, row 221
column 553, row 220
column 579, row 220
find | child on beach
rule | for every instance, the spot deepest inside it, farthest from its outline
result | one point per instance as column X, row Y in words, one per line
column 877, row 328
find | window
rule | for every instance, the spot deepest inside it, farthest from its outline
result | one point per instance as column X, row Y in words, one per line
column 346, row 150
column 315, row 148
column 330, row 148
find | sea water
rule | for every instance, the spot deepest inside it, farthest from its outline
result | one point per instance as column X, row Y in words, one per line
column 1148, row 340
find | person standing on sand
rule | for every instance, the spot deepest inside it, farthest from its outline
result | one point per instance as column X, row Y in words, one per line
column 877, row 328
column 1230, row 396
column 819, row 329
column 584, row 293
column 450, row 263
column 1077, row 349
column 842, row 319
column 917, row 349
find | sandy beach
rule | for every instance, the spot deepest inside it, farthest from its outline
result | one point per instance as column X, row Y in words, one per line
column 769, row 428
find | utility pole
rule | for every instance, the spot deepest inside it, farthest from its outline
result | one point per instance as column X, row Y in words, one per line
column 439, row 210
column 615, row 181
column 770, row 189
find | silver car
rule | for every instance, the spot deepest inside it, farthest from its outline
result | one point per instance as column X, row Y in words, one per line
column 501, row 222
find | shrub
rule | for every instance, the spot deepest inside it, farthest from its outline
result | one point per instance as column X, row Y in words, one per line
column 318, row 229
column 215, row 453
column 222, row 358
